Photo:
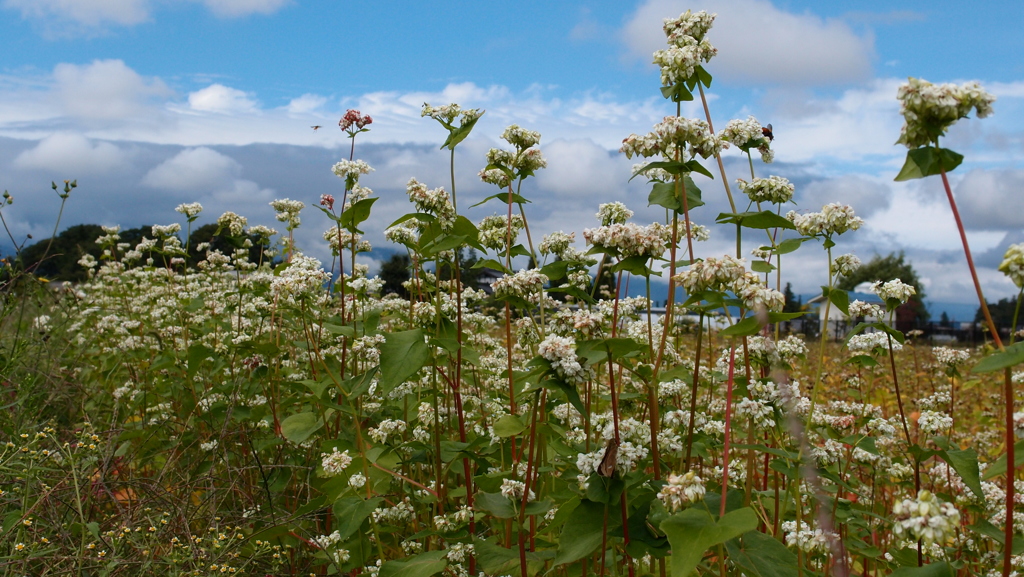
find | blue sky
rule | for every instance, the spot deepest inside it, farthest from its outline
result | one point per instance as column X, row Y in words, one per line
column 150, row 103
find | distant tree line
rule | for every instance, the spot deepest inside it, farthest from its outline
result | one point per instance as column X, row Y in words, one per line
column 57, row 259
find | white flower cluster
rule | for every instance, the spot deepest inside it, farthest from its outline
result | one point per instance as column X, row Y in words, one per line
column 494, row 231
column 513, row 489
column 1013, row 264
column 774, row 189
column 610, row 213
column 926, row 518
column 951, row 357
column 557, row 243
column 387, row 428
column 325, row 542
column 520, row 138
column 288, row 211
column 934, row 422
column 672, row 133
column 928, row 108
column 687, row 47
column 436, row 201
column 561, row 353
column 631, row 239
column 525, row 284
column 834, row 218
column 845, row 265
column 747, row 134
column 231, row 221
column 791, row 347
column 303, row 277
column 894, row 289
column 681, row 490
column 806, row 539
column 334, row 463
column 350, row 168
column 859, row 308
column 728, row 274
column 446, row 114
column 873, row 343
column 190, row 210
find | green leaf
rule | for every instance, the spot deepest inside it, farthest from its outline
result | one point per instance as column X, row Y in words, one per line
column 965, row 463
column 781, row 317
column 762, row 556
column 458, row 134
column 928, row 161
column 931, row 570
column 491, row 264
column 299, row 427
column 999, row 466
column 496, row 504
column 401, row 356
column 422, row 565
column 357, row 213
column 838, row 297
column 664, row 194
column 703, row 76
column 508, row 426
column 789, row 245
column 636, row 265
column 862, row 361
column 497, row 560
column 677, row 93
column 351, row 512
column 696, row 166
column 196, row 355
column 762, row 266
column 693, row 531
column 1013, row 355
column 760, row 220
column 582, row 532
column 748, row 326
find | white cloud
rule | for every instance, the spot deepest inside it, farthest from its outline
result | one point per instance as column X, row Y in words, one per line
column 88, row 13
column 236, row 8
column 72, row 155
column 581, row 169
column 867, row 196
column 305, row 104
column 759, row 43
column 989, row 200
column 194, row 170
column 221, row 99
column 106, row 90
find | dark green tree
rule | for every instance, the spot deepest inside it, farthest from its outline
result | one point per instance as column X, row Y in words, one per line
column 793, row 304
column 944, row 320
column 886, row 269
column 207, row 233
column 394, row 272
column 469, row 275
column 59, row 260
column 1002, row 313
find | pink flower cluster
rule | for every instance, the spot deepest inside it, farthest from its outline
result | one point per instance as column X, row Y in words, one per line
column 354, row 118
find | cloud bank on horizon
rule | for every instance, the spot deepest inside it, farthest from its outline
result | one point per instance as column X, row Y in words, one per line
column 144, row 136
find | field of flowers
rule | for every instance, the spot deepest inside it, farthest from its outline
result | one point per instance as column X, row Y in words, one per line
column 284, row 417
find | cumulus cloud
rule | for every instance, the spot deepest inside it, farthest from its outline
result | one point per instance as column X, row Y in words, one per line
column 990, row 199
column 194, row 170
column 582, row 169
column 221, row 99
column 106, row 90
column 305, row 104
column 867, row 196
column 72, row 154
column 759, row 43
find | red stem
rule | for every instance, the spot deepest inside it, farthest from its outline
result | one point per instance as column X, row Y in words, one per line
column 728, row 423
